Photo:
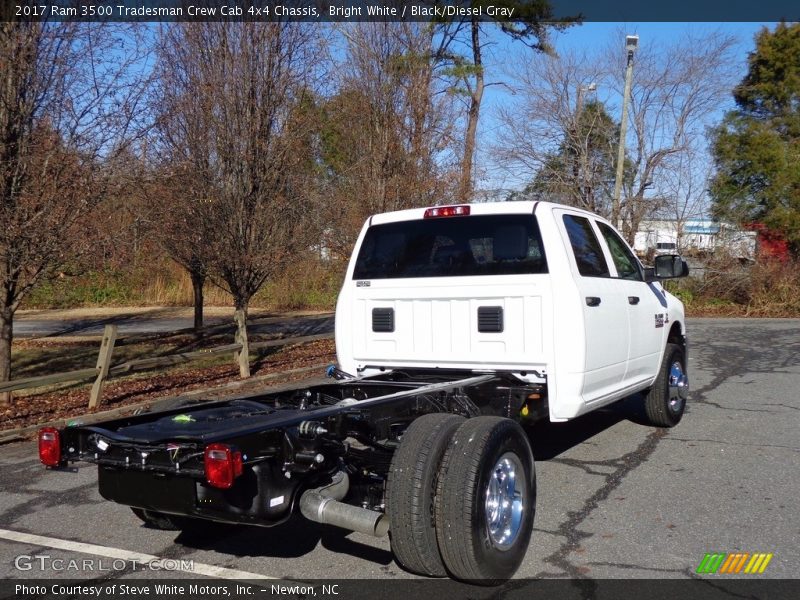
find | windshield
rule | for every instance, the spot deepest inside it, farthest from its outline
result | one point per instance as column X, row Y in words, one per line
column 452, row 247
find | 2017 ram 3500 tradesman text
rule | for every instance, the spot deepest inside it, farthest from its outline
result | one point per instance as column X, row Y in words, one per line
column 454, row 326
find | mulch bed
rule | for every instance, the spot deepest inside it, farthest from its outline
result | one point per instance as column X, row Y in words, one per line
column 73, row 402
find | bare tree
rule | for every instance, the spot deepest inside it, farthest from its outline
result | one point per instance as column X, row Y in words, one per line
column 386, row 131
column 173, row 215
column 235, row 126
column 558, row 133
column 69, row 104
column 686, row 185
column 530, row 26
column 676, row 90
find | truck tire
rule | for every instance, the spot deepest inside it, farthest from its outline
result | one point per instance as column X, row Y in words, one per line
column 410, row 491
column 485, row 501
column 665, row 402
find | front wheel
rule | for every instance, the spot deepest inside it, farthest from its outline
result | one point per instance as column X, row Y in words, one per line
column 665, row 402
column 485, row 500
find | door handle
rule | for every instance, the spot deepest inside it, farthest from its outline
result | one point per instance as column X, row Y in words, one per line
column 633, row 299
column 592, row 301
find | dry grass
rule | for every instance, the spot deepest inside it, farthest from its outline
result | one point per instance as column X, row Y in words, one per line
column 767, row 288
column 308, row 284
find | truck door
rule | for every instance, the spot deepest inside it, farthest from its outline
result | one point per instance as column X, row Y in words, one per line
column 646, row 308
column 605, row 312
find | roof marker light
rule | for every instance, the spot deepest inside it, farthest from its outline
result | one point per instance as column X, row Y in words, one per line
column 461, row 210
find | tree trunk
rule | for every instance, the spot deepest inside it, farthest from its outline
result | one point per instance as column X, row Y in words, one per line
column 242, row 357
column 198, row 279
column 465, row 186
column 6, row 336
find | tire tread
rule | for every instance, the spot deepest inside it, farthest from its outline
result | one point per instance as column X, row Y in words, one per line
column 410, row 488
column 656, row 399
column 460, row 471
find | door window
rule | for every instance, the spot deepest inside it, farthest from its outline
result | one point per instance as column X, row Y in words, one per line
column 586, row 247
column 624, row 260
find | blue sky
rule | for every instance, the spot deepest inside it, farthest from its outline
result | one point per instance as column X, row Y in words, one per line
column 588, row 37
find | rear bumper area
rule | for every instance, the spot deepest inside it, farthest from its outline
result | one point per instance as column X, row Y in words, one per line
column 253, row 499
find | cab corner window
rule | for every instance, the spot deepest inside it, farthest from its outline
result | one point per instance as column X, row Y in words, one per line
column 585, row 247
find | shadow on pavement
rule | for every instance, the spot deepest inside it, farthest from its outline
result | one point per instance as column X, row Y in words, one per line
column 292, row 539
column 550, row 440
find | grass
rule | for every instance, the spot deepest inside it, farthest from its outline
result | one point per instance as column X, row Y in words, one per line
column 305, row 285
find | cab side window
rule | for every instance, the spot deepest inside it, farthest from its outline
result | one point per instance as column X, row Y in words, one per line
column 624, row 260
column 586, row 247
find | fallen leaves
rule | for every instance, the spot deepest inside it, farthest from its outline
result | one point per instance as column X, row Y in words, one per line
column 72, row 402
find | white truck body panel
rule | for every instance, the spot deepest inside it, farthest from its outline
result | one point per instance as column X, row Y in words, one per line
column 587, row 355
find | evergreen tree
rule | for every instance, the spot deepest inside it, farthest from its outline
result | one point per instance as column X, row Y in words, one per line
column 581, row 172
column 757, row 146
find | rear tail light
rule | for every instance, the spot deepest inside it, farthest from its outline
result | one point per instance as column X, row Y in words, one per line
column 223, row 464
column 447, row 211
column 50, row 446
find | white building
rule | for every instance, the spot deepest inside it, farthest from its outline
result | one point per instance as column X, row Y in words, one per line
column 667, row 236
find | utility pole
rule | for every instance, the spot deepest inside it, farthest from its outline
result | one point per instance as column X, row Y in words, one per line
column 631, row 42
column 581, row 140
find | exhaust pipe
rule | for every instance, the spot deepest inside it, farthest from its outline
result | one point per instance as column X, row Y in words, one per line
column 322, row 506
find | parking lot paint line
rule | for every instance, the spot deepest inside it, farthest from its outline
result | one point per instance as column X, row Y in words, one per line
column 127, row 555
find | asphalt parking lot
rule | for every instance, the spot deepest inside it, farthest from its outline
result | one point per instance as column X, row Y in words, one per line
column 616, row 499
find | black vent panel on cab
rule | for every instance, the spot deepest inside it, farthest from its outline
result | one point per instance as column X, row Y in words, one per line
column 490, row 319
column 383, row 320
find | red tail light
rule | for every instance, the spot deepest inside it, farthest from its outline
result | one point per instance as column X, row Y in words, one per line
column 223, row 464
column 447, row 211
column 49, row 446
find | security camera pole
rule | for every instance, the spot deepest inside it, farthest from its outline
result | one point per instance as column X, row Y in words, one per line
column 631, row 42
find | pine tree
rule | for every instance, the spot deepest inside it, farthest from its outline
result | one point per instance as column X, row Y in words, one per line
column 756, row 148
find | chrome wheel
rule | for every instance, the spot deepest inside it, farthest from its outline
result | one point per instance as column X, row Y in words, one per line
column 678, row 387
column 505, row 500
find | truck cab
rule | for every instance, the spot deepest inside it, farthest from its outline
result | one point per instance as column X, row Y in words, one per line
column 546, row 292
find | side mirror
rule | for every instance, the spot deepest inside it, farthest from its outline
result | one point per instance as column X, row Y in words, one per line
column 667, row 266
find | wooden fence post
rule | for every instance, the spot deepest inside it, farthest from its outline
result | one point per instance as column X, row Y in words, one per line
column 242, row 357
column 103, row 364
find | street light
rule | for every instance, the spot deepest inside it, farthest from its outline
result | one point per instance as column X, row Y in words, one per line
column 631, row 43
column 582, row 89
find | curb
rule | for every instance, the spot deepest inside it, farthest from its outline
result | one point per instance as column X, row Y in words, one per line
column 23, row 433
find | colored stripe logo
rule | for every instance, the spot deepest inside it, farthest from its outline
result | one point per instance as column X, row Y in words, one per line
column 738, row 562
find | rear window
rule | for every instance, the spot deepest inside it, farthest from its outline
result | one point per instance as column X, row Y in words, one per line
column 452, row 247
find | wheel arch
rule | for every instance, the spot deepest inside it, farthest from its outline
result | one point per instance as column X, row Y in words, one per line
column 677, row 335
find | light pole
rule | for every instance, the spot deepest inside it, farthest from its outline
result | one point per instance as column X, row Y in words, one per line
column 583, row 146
column 631, row 42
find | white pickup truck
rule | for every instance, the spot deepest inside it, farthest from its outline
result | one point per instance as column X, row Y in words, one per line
column 546, row 292
column 455, row 326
